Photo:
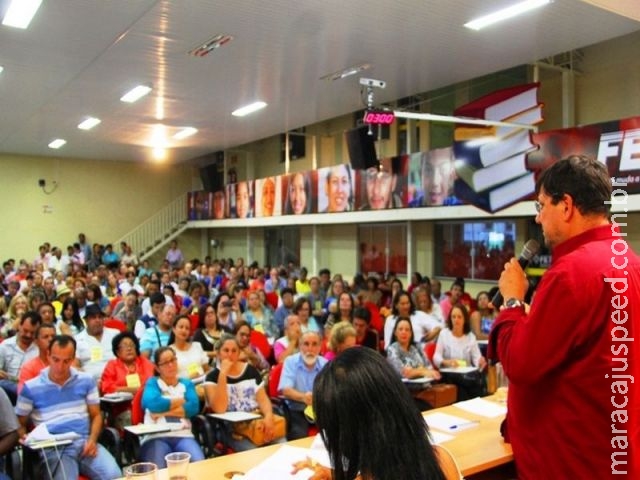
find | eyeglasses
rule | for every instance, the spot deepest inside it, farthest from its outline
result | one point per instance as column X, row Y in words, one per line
column 127, row 345
column 538, row 206
column 174, row 360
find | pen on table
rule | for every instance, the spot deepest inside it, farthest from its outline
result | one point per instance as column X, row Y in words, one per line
column 464, row 424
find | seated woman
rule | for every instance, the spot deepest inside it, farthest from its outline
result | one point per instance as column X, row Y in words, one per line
column 169, row 399
column 235, row 386
column 406, row 358
column 482, row 319
column 457, row 347
column 209, row 331
column 388, row 428
column 126, row 373
column 225, row 312
column 70, row 322
column 341, row 337
column 343, row 311
column 302, row 308
column 425, row 327
column 260, row 317
column 196, row 299
column 249, row 352
column 193, row 363
column 288, row 344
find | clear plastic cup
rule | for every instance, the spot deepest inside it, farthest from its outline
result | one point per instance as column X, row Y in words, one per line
column 178, row 465
column 141, row 471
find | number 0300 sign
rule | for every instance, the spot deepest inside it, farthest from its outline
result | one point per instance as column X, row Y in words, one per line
column 377, row 117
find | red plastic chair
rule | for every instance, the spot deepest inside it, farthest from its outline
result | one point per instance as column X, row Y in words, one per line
column 195, row 320
column 272, row 299
column 377, row 322
column 259, row 340
column 274, row 380
column 429, row 351
column 115, row 323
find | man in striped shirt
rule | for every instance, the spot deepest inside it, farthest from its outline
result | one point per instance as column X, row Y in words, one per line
column 67, row 401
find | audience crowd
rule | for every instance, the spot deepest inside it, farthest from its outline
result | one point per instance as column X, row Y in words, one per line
column 217, row 335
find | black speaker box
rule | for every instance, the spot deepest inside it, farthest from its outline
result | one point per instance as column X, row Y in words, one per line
column 362, row 148
column 212, row 175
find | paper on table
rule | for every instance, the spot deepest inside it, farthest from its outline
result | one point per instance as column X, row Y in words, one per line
column 482, row 407
column 418, row 380
column 143, row 429
column 439, row 437
column 458, row 369
column 280, row 464
column 235, row 416
column 41, row 434
column 320, row 453
column 448, row 423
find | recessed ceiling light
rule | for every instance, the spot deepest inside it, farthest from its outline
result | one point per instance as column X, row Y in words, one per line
column 20, row 13
column 505, row 13
column 57, row 143
column 159, row 153
column 247, row 109
column 185, row 132
column 89, row 123
column 136, row 93
column 347, row 72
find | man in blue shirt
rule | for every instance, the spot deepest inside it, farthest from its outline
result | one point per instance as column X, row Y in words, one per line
column 296, row 383
column 67, row 401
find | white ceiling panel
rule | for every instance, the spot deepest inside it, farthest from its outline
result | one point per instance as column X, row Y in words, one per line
column 79, row 56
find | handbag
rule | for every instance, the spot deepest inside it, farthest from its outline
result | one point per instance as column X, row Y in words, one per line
column 253, row 430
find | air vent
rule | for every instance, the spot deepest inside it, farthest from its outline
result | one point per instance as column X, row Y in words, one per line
column 210, row 45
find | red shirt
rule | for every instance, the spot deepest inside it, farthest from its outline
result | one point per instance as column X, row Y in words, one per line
column 560, row 363
column 115, row 373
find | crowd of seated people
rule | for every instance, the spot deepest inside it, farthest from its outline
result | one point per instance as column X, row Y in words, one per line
column 124, row 315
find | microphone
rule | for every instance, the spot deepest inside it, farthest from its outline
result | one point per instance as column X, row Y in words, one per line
column 528, row 251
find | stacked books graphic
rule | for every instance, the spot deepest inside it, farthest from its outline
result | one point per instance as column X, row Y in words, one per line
column 491, row 162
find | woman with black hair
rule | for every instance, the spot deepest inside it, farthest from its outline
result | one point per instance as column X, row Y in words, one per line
column 70, row 322
column 370, row 425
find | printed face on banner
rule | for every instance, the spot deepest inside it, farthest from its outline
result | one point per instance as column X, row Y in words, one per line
column 335, row 189
column 298, row 194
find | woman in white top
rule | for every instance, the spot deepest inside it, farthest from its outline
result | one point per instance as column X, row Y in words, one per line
column 193, row 362
column 425, row 327
column 457, row 348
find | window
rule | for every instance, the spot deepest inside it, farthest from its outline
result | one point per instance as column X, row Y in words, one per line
column 383, row 248
column 473, row 250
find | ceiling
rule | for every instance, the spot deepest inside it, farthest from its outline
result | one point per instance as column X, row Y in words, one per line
column 78, row 57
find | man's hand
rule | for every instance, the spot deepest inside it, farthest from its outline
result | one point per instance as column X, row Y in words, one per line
column 513, row 281
column 90, row 449
column 308, row 398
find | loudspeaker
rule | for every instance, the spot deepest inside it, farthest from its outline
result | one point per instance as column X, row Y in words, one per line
column 362, row 148
column 212, row 175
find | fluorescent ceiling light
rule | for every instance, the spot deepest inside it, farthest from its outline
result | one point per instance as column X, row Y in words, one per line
column 135, row 94
column 57, row 143
column 247, row 109
column 20, row 13
column 185, row 132
column 1, row 68
column 505, row 13
column 89, row 123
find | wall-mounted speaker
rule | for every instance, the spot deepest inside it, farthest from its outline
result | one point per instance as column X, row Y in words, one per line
column 212, row 175
column 362, row 148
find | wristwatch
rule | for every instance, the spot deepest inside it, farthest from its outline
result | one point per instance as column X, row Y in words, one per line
column 513, row 303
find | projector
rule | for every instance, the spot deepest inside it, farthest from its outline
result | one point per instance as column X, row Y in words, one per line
column 370, row 82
